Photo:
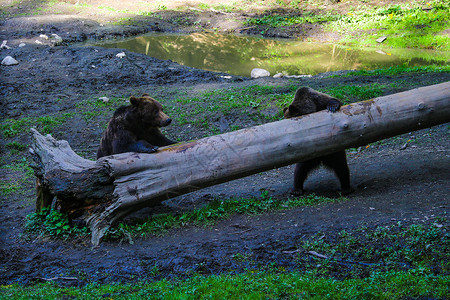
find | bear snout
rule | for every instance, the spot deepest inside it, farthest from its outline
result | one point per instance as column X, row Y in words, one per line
column 166, row 122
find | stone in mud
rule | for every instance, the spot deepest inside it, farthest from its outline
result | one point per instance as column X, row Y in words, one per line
column 257, row 73
column 9, row 61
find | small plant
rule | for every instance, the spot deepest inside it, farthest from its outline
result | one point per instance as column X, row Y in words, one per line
column 239, row 257
column 50, row 222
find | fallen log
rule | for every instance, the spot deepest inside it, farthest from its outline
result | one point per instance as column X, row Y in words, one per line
column 106, row 190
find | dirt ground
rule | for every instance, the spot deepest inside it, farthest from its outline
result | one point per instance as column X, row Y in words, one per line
column 393, row 183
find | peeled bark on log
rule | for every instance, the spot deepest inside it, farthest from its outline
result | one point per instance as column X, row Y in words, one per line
column 114, row 186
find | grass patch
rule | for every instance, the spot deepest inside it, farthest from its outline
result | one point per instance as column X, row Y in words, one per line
column 9, row 187
column 362, row 252
column 211, row 213
column 354, row 93
column 250, row 285
column 94, row 109
column 17, row 147
column 204, row 109
column 20, row 176
column 274, row 20
column 397, row 70
column 405, row 26
column 45, row 124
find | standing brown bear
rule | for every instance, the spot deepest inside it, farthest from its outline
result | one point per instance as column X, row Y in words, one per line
column 306, row 101
column 135, row 128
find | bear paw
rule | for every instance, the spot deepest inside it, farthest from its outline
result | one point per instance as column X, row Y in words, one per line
column 347, row 191
column 333, row 106
column 296, row 192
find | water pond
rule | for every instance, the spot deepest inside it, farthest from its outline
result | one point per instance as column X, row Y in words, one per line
column 238, row 55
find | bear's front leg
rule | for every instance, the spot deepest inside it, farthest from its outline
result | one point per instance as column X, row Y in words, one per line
column 139, row 146
column 142, row 146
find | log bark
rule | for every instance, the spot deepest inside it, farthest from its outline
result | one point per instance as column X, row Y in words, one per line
column 106, row 190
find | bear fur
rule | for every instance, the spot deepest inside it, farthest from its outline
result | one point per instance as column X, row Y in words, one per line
column 306, row 101
column 135, row 128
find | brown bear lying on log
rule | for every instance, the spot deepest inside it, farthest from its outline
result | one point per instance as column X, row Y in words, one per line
column 135, row 128
column 306, row 101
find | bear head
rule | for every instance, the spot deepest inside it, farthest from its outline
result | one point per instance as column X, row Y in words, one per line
column 307, row 101
column 298, row 109
column 149, row 111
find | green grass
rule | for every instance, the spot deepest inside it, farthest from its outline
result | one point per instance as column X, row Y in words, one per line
column 8, row 187
column 282, row 20
column 204, row 109
column 20, row 176
column 214, row 211
column 406, row 25
column 357, row 253
column 396, row 70
column 45, row 124
column 354, row 93
column 16, row 147
column 249, row 285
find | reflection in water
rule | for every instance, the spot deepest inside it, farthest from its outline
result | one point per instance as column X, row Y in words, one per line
column 238, row 55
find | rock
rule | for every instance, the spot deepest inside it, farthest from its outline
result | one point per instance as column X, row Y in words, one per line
column 278, row 75
column 56, row 39
column 381, row 39
column 104, row 99
column 22, row 45
column 9, row 61
column 4, row 46
column 43, row 36
column 121, row 54
column 298, row 76
column 257, row 72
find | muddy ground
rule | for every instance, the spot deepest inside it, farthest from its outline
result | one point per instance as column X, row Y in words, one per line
column 394, row 182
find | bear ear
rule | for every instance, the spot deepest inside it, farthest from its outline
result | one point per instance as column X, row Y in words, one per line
column 134, row 101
